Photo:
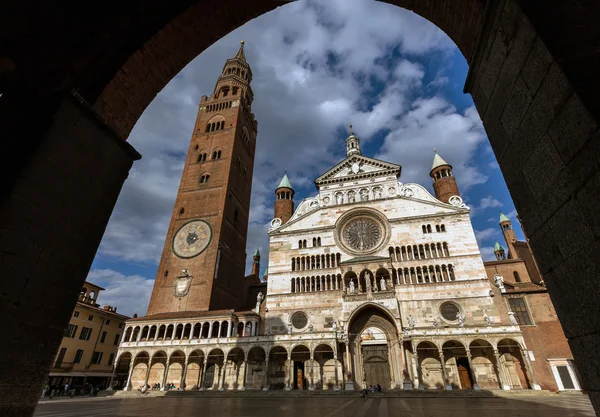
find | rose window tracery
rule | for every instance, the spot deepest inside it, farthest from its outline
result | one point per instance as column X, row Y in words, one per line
column 362, row 234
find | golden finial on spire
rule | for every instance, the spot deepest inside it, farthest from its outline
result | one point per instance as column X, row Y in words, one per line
column 242, row 42
column 434, row 151
column 350, row 129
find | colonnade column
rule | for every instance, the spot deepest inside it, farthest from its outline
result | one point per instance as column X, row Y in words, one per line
column 203, row 374
column 183, row 375
column 525, row 355
column 469, row 358
column 165, row 373
column 112, row 376
column 148, row 371
column 501, row 376
column 289, row 378
column 417, row 384
column 245, row 373
column 266, row 387
column 348, row 384
column 444, row 374
column 312, row 373
column 128, row 383
column 224, row 373
column 337, row 381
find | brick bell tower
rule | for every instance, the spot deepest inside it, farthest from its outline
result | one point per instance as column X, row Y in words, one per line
column 203, row 261
column 509, row 234
column 444, row 183
column 284, row 200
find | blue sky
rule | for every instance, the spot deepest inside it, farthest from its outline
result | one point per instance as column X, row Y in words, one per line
column 318, row 66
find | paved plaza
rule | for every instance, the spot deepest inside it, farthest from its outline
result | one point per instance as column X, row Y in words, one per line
column 546, row 406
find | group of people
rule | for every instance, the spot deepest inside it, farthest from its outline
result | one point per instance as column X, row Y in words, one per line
column 68, row 391
column 372, row 389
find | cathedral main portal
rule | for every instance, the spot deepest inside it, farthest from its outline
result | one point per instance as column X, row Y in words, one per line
column 377, row 367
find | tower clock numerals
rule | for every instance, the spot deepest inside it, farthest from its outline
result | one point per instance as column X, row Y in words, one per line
column 192, row 239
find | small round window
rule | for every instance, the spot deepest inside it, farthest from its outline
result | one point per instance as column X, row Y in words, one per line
column 299, row 320
column 449, row 311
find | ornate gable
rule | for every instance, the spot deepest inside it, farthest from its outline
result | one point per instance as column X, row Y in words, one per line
column 358, row 167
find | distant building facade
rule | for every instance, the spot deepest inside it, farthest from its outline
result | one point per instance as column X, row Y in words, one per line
column 370, row 281
column 88, row 349
column 519, row 291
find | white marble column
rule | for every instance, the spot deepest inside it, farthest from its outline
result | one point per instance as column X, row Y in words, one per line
column 289, row 378
column 128, row 383
column 470, row 359
column 501, row 376
column 311, row 387
column 183, row 375
column 222, row 388
column 203, row 374
column 444, row 373
column 112, row 376
column 266, row 386
column 165, row 373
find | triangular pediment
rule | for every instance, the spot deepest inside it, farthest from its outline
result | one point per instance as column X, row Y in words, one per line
column 357, row 167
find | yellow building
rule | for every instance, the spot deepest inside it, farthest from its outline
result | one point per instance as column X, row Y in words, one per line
column 90, row 343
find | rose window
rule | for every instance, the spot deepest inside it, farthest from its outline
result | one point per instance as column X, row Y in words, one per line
column 362, row 234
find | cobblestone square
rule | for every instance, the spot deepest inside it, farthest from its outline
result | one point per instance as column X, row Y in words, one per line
column 530, row 406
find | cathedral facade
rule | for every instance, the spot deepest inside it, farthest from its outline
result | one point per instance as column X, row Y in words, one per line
column 370, row 281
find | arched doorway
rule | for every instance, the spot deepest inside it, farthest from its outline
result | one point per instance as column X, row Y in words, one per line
column 301, row 367
column 256, row 373
column 278, row 372
column 429, row 366
column 458, row 369
column 214, row 364
column 122, row 371
column 513, row 364
column 176, row 367
column 194, row 369
column 484, row 364
column 157, row 369
column 328, row 370
column 375, row 354
column 139, row 371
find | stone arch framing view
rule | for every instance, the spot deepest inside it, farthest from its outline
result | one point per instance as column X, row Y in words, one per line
column 530, row 74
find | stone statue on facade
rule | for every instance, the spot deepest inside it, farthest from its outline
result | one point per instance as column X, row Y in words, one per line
column 461, row 319
column 436, row 322
column 339, row 198
column 499, row 280
column 368, row 280
column 352, row 286
column 382, row 284
column 259, row 298
column 351, row 197
column 411, row 322
column 512, row 318
column 364, row 195
column 377, row 192
column 486, row 318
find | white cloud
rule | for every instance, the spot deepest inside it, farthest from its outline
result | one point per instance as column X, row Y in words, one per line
column 485, row 234
column 130, row 294
column 316, row 66
column 487, row 253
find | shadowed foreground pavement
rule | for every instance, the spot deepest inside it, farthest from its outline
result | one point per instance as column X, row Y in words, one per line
column 559, row 406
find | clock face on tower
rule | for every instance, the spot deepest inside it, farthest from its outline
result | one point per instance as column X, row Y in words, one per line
column 192, row 238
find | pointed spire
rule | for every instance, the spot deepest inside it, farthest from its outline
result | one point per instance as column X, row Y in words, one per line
column 503, row 218
column 498, row 247
column 240, row 53
column 266, row 272
column 256, row 253
column 438, row 161
column 285, row 182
